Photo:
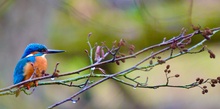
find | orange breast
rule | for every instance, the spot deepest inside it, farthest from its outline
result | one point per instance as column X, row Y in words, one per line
column 39, row 67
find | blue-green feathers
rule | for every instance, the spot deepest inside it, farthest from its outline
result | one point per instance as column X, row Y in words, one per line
column 32, row 48
column 19, row 69
column 26, row 58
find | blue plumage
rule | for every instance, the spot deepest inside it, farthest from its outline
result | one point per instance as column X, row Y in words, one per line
column 19, row 69
column 33, row 47
column 33, row 60
column 34, row 53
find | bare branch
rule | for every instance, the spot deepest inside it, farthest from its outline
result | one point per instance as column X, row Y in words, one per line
column 180, row 43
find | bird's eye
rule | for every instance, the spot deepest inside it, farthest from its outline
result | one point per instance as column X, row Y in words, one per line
column 44, row 50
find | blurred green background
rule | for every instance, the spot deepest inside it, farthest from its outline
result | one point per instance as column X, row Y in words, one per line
column 65, row 24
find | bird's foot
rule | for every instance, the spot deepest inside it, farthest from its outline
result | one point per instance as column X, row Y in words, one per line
column 28, row 87
column 36, row 83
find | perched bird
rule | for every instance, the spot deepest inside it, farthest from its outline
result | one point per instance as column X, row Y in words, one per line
column 32, row 63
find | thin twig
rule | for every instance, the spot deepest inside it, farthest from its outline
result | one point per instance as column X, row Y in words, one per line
column 178, row 40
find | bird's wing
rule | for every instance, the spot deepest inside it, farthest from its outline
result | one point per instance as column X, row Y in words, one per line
column 19, row 69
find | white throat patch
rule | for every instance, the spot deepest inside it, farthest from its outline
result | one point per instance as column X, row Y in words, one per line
column 33, row 55
column 43, row 55
column 29, row 55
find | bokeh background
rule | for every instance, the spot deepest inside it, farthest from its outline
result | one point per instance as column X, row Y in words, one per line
column 65, row 24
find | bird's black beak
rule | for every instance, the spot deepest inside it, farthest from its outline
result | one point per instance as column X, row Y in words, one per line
column 51, row 51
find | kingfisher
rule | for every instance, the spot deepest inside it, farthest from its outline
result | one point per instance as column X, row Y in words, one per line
column 32, row 64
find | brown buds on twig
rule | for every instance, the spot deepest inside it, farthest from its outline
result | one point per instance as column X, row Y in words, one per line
column 201, row 81
column 168, row 66
column 87, row 52
column 131, row 49
column 211, row 54
column 206, row 32
column 121, row 43
column 218, row 78
column 113, row 54
column 119, row 56
column 173, row 45
column 196, row 28
column 197, row 79
column 99, row 53
column 117, row 62
column 55, row 73
column 204, row 88
column 215, row 81
column 177, row 75
column 123, row 60
column 160, row 61
column 89, row 35
column 167, row 70
column 204, row 91
column 212, row 82
column 151, row 62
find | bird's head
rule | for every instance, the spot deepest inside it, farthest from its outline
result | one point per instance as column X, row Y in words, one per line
column 35, row 48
